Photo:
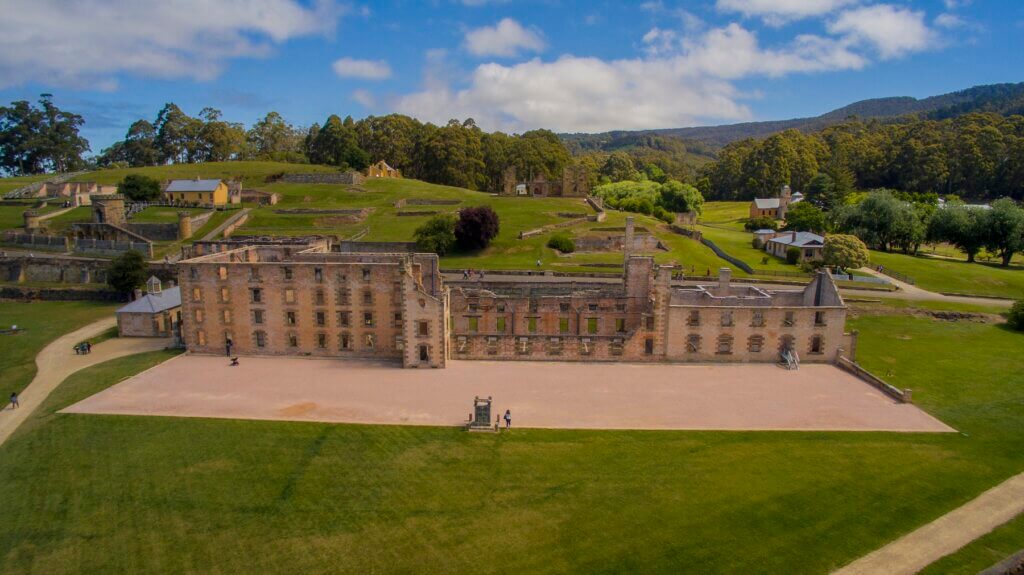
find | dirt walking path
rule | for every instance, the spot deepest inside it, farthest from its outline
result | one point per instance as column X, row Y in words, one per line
column 947, row 534
column 913, row 292
column 58, row 360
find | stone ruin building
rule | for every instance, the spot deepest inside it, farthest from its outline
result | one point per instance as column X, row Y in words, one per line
column 647, row 319
column 291, row 300
column 573, row 184
column 309, row 300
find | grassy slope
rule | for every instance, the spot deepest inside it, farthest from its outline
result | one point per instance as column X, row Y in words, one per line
column 507, row 251
column 115, row 494
column 251, row 173
column 10, row 184
column 163, row 215
column 43, row 322
column 956, row 276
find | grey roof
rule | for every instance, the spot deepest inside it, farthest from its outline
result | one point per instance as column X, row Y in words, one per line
column 155, row 303
column 766, row 203
column 764, row 231
column 802, row 239
column 193, row 185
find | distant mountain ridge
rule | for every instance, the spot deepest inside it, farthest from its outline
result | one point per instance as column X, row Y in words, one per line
column 1004, row 99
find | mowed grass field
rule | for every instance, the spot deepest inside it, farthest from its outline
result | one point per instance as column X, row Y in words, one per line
column 951, row 276
column 506, row 252
column 129, row 494
column 43, row 322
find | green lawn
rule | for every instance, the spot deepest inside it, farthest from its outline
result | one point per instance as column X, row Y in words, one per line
column 10, row 184
column 163, row 215
column 251, row 173
column 505, row 252
column 983, row 553
column 43, row 322
column 733, row 214
column 941, row 275
column 118, row 494
column 62, row 223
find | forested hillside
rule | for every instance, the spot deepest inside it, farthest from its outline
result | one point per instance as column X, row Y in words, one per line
column 977, row 156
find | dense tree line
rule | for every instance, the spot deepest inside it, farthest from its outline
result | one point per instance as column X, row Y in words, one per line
column 978, row 156
column 888, row 220
column 457, row 153
column 38, row 139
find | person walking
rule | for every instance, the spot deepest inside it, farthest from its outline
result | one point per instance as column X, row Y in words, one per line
column 227, row 346
column 14, row 400
column 508, row 419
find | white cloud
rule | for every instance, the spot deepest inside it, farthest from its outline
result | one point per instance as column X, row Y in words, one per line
column 954, row 4
column 778, row 12
column 88, row 43
column 364, row 69
column 506, row 38
column 364, row 98
column 890, row 30
column 949, row 21
column 688, row 82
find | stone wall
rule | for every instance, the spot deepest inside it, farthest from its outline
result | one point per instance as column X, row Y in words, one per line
column 615, row 243
column 53, row 270
column 38, row 241
column 347, row 178
column 375, row 247
column 29, row 293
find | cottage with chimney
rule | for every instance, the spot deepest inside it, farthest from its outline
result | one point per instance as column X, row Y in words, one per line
column 775, row 207
column 155, row 314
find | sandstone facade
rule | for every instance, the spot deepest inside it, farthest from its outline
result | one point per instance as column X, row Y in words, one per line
column 275, row 300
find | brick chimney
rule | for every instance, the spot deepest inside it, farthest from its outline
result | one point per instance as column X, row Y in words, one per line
column 137, row 294
column 724, row 279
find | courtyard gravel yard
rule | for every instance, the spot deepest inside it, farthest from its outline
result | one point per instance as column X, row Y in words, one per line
column 539, row 394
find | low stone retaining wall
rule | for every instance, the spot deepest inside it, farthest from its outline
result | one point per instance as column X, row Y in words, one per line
column 325, row 211
column 57, row 294
column 111, row 247
column 401, row 203
column 382, row 247
column 551, row 227
column 692, row 234
column 38, row 242
column 329, row 178
column 418, row 213
column 904, row 395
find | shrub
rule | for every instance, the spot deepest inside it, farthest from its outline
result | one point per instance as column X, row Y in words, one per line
column 562, row 243
column 792, row 255
column 761, row 223
column 1016, row 316
column 127, row 272
column 476, row 227
column 139, row 188
column 845, row 252
column 436, row 234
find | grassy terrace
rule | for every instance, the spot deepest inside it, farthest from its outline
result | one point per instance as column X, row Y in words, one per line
column 507, row 251
column 251, row 173
column 163, row 215
column 943, row 275
column 10, row 184
column 117, row 494
column 42, row 322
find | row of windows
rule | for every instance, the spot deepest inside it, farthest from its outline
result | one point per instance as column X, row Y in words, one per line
column 344, row 319
column 756, row 319
column 500, row 324
column 258, row 295
column 287, row 273
column 474, row 306
column 755, row 344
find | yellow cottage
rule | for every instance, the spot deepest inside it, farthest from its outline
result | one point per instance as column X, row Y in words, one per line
column 197, row 191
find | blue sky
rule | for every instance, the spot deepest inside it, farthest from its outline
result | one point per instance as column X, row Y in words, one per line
column 511, row 65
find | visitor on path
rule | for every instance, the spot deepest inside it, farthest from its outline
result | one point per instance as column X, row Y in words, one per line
column 465, row 274
column 234, row 362
column 227, row 347
column 14, row 400
column 481, row 275
column 508, row 419
column 88, row 348
column 538, row 263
